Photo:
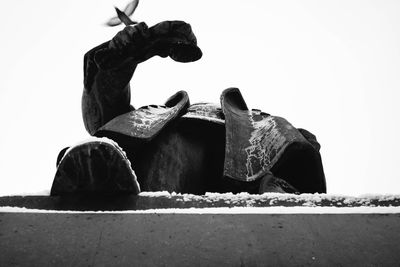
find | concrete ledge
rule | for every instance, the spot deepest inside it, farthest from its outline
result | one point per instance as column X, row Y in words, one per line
column 141, row 230
column 42, row 239
column 165, row 200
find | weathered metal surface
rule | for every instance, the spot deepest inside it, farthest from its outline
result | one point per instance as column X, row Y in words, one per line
column 95, row 166
column 254, row 140
column 147, row 122
column 269, row 138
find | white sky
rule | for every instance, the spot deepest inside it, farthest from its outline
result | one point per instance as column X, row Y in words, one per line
column 331, row 67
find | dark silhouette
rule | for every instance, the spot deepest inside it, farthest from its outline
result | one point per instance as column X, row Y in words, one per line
column 177, row 146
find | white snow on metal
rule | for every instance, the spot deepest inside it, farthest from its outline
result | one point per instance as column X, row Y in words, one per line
column 205, row 111
column 234, row 210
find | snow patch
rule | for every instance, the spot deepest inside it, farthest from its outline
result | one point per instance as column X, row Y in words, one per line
column 234, row 210
column 205, row 111
column 273, row 199
column 45, row 192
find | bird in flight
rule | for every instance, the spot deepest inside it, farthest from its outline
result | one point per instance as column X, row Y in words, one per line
column 124, row 16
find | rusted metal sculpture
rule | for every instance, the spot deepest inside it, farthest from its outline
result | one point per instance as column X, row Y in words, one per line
column 177, row 146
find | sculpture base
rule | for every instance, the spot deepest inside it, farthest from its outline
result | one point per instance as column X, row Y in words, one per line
column 187, row 237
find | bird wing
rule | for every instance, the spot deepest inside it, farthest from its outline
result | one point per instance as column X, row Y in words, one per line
column 131, row 7
column 115, row 21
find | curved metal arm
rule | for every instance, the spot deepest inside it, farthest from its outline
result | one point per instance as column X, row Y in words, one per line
column 109, row 67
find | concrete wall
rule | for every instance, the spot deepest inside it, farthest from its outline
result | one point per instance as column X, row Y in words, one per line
column 67, row 239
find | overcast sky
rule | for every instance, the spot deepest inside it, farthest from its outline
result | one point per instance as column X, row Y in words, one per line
column 331, row 67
